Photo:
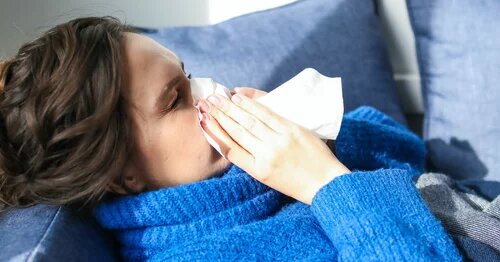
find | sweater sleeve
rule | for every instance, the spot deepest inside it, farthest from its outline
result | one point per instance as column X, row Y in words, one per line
column 370, row 140
column 376, row 212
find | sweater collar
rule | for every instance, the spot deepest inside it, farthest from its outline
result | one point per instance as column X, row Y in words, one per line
column 234, row 190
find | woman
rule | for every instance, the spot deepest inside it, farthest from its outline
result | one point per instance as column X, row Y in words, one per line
column 92, row 114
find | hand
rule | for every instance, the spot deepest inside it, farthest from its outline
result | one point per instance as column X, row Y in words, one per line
column 254, row 94
column 274, row 150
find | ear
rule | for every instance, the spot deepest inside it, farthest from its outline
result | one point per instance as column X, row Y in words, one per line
column 133, row 182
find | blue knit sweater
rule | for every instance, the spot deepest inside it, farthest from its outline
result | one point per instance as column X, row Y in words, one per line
column 373, row 213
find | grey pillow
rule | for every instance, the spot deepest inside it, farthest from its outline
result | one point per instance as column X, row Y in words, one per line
column 458, row 47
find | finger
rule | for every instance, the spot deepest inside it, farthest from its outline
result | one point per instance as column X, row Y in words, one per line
column 217, row 133
column 249, row 122
column 236, row 131
column 229, row 148
column 261, row 112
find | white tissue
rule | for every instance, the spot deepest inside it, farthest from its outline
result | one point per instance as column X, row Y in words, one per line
column 202, row 88
column 309, row 99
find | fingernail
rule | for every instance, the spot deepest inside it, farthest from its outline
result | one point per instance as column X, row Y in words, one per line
column 205, row 117
column 195, row 102
column 204, row 107
column 214, row 100
column 236, row 99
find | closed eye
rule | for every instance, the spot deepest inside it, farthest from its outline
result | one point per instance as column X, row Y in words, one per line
column 168, row 108
column 177, row 101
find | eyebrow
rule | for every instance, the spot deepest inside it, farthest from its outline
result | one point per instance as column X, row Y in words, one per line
column 165, row 90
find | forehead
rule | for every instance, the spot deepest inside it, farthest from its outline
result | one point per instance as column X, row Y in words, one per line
column 137, row 43
column 148, row 66
column 141, row 50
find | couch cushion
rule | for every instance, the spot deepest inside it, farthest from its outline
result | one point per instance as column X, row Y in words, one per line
column 458, row 47
column 264, row 49
column 46, row 233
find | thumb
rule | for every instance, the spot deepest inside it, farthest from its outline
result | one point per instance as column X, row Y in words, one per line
column 252, row 93
column 246, row 91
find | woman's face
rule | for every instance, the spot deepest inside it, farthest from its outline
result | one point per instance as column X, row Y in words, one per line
column 170, row 146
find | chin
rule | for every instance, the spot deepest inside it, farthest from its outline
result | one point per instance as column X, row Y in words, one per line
column 221, row 164
column 214, row 155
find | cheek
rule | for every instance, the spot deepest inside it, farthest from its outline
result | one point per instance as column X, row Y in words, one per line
column 189, row 129
column 200, row 146
column 180, row 139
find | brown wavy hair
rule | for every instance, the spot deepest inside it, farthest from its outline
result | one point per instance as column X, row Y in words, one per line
column 64, row 131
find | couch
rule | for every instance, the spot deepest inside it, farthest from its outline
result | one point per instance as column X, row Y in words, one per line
column 264, row 49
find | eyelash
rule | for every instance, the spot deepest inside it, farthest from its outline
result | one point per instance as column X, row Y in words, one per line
column 178, row 99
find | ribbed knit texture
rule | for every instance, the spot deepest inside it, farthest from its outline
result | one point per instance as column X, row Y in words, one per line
column 373, row 213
